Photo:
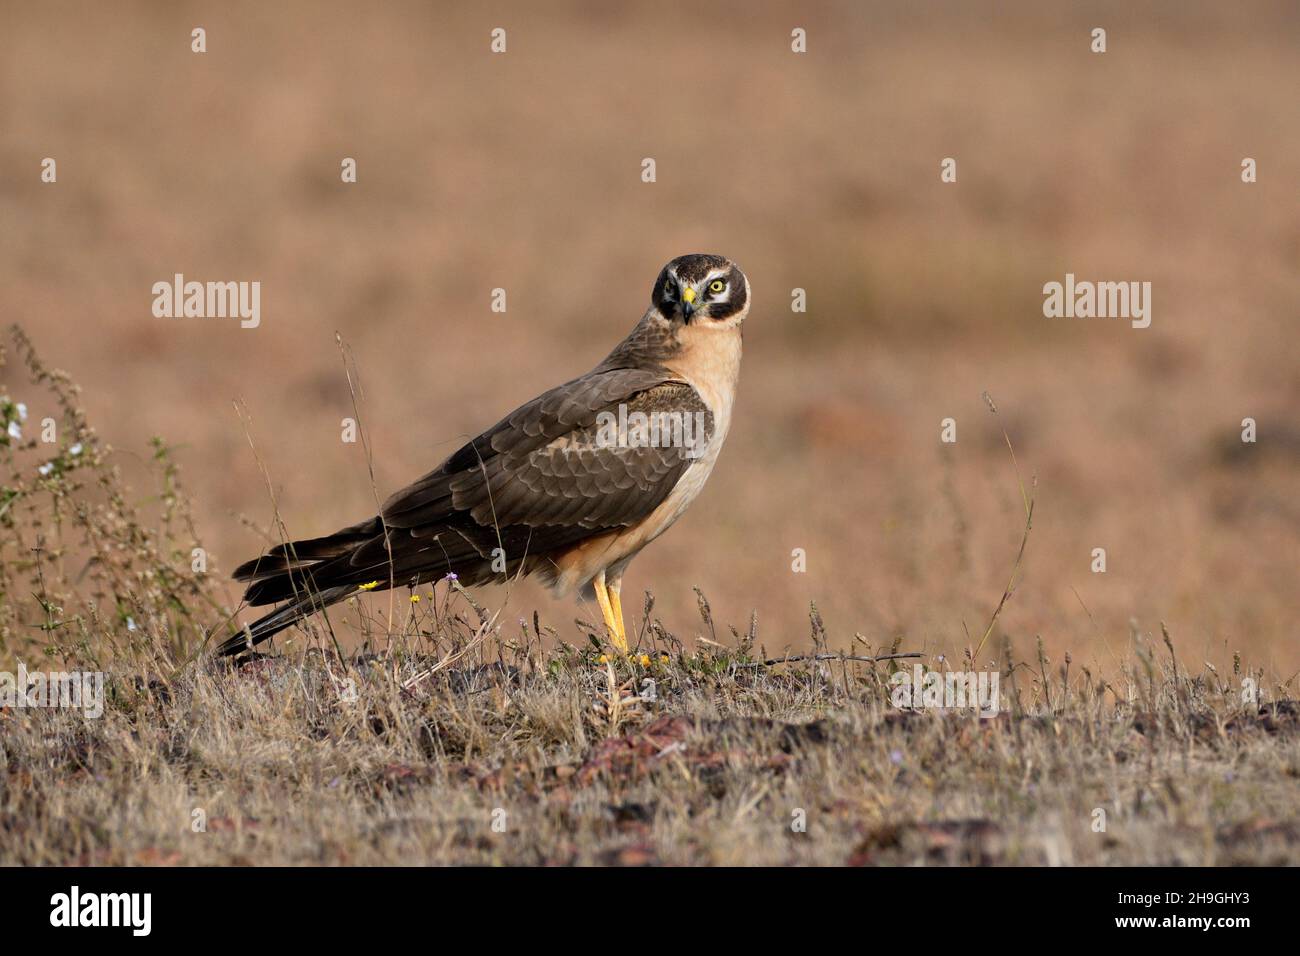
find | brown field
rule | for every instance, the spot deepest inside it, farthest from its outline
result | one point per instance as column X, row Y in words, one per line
column 817, row 171
column 524, row 761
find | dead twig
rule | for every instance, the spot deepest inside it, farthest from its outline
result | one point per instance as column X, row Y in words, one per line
column 829, row 657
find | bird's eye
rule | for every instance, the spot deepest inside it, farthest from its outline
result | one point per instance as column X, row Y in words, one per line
column 716, row 286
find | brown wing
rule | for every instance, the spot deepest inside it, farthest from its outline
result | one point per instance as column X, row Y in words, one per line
column 549, row 474
column 545, row 477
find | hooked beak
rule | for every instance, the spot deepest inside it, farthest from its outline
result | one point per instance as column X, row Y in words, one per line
column 688, row 303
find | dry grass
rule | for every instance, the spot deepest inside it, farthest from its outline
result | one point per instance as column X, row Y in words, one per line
column 454, row 738
column 285, row 768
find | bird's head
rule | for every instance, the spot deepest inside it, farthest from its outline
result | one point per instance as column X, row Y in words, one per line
column 702, row 290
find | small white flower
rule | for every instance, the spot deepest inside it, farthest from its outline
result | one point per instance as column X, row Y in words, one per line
column 130, row 624
column 15, row 432
column 46, row 468
column 22, row 411
column 75, row 449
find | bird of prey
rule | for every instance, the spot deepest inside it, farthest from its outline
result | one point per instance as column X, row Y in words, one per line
column 568, row 487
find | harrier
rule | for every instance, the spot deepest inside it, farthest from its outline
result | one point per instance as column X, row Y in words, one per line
column 569, row 487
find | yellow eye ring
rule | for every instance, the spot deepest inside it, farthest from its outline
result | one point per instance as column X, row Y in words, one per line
column 716, row 286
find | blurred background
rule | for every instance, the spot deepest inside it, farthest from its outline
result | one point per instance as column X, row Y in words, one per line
column 818, row 171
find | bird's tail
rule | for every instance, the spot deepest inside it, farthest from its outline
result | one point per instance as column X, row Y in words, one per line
column 309, row 575
column 282, row 617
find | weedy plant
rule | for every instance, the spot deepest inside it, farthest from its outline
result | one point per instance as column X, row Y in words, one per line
column 111, row 579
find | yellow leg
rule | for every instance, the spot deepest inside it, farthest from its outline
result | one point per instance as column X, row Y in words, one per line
column 615, row 624
column 617, row 602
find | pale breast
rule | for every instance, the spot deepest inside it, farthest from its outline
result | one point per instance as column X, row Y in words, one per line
column 710, row 362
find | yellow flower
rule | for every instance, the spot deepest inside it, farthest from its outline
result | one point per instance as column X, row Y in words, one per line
column 645, row 660
column 603, row 659
column 415, row 599
column 370, row 586
column 663, row 658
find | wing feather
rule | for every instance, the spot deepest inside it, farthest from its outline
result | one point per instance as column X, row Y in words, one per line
column 542, row 479
column 544, row 465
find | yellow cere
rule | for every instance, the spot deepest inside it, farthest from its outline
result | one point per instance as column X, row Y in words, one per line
column 688, row 294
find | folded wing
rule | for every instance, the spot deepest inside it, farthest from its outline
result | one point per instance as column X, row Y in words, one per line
column 542, row 479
